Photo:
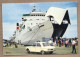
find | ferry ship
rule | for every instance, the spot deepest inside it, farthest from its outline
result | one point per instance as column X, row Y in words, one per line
column 37, row 25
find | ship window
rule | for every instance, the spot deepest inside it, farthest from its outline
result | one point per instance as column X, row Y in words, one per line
column 36, row 23
column 40, row 15
column 37, row 19
column 30, row 19
column 36, row 15
column 31, row 23
column 24, row 27
column 43, row 19
column 29, row 29
column 22, row 18
column 31, row 15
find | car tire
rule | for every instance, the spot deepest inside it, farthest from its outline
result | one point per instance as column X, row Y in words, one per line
column 28, row 51
column 42, row 52
column 51, row 52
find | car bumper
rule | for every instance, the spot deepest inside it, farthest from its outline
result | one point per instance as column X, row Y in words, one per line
column 49, row 51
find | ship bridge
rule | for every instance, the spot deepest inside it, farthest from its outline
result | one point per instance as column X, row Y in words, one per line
column 35, row 14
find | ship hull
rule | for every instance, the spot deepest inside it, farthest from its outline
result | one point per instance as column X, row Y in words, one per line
column 59, row 30
column 44, row 30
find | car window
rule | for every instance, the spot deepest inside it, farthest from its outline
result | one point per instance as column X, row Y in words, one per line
column 38, row 44
column 51, row 44
column 34, row 44
column 45, row 44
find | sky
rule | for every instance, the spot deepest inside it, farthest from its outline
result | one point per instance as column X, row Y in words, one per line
column 12, row 13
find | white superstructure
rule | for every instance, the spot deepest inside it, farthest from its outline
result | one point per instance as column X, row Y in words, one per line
column 38, row 25
column 34, row 27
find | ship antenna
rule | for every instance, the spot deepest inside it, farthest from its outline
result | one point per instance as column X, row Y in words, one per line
column 34, row 9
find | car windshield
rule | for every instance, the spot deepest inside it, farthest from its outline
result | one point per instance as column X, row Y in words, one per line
column 45, row 44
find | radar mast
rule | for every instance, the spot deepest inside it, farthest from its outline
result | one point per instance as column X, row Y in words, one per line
column 34, row 9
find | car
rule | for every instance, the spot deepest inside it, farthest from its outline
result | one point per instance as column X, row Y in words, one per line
column 4, row 44
column 41, row 47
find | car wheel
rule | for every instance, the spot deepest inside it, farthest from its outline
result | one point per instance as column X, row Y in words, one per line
column 28, row 51
column 42, row 52
column 51, row 52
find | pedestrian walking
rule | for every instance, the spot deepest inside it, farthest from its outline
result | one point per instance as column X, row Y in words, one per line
column 73, row 46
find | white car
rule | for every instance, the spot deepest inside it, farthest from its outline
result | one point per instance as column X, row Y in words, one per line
column 4, row 44
column 41, row 47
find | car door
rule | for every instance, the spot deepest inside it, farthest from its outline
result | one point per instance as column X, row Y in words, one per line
column 33, row 48
column 38, row 47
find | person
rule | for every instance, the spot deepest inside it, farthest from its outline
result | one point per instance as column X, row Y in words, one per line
column 56, row 42
column 73, row 46
column 59, row 42
column 62, row 42
column 50, row 42
column 66, row 43
column 15, row 45
column 70, row 42
column 10, row 43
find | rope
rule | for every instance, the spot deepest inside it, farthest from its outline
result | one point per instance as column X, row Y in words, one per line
column 33, row 36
